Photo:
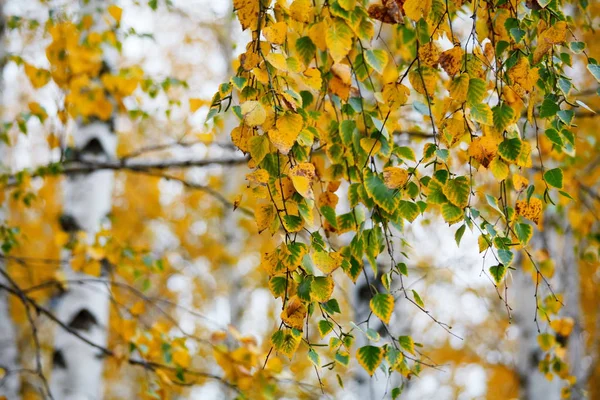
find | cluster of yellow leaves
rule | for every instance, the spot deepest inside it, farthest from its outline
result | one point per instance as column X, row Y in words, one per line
column 69, row 56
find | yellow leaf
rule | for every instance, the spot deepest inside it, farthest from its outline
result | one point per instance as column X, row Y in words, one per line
column 288, row 126
column 312, row 78
column 278, row 60
column 532, row 210
column 195, row 104
column 394, row 177
column 182, row 358
column 459, row 87
column 163, row 376
column 254, row 113
column 276, row 33
column 451, row 60
column 37, row 77
column 429, row 54
column 302, row 174
column 37, row 110
column 484, row 149
column 327, row 262
column 316, row 33
column 563, row 326
column 342, row 71
column 264, row 215
column 301, row 10
column 370, row 145
column 115, row 12
column 424, row 80
column 417, row 9
column 294, row 313
column 240, row 136
column 520, row 182
column 339, row 40
column 247, row 12
column 395, row 94
column 499, row 169
column 556, row 34
column 523, row 77
column 259, row 177
column 138, row 308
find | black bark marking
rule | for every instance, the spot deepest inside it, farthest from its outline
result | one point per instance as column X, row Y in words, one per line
column 58, row 360
column 68, row 223
column 83, row 321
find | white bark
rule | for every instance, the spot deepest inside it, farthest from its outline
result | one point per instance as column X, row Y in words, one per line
column 77, row 367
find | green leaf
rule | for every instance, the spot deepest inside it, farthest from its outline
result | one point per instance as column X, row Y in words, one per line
column 459, row 234
column 306, row 49
column 498, row 272
column 506, row 256
column 554, row 137
column 380, row 194
column 436, row 192
column 393, row 356
column 343, row 358
column 314, row 358
column 554, row 177
column 332, row 307
column 402, row 268
column 396, row 392
column 510, row 149
column 321, row 288
column 406, row 342
column 382, row 305
column 408, row 210
column 549, row 108
column 324, row 327
column 259, row 147
column 372, row 335
column 293, row 223
column 493, row 202
column 286, row 342
column 594, row 70
column 347, row 129
column 457, row 191
column 329, row 214
column 406, row 153
column 566, row 116
column 277, row 285
column 577, row 47
column 476, row 92
column 418, row 299
column 369, row 357
column 482, row 113
column 376, row 59
column 503, row 116
column 524, row 232
column 451, row 213
column 347, row 5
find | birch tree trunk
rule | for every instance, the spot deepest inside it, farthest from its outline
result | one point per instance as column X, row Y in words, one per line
column 77, row 367
column 10, row 380
column 561, row 245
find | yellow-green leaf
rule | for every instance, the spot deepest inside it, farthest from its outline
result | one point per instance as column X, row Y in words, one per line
column 339, row 38
column 382, row 305
column 369, row 357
